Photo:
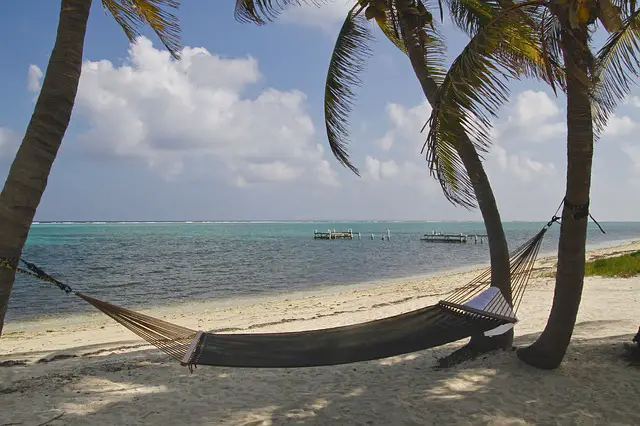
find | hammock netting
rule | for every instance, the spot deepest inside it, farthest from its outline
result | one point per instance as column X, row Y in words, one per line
column 471, row 310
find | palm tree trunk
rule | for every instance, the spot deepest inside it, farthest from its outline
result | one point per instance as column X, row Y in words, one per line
column 29, row 172
column 498, row 248
column 550, row 348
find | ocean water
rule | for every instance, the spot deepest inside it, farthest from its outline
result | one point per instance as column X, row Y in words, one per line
column 150, row 264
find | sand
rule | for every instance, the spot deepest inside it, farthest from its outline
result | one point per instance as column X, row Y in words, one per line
column 88, row 370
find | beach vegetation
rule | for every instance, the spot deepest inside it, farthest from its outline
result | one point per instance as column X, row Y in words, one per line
column 623, row 266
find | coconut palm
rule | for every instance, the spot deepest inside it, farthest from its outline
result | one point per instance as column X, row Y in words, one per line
column 455, row 162
column 593, row 85
column 409, row 25
column 29, row 171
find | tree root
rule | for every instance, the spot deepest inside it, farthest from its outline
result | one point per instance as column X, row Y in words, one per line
column 539, row 358
column 479, row 345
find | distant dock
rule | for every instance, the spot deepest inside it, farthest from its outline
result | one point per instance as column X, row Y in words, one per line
column 332, row 234
column 440, row 237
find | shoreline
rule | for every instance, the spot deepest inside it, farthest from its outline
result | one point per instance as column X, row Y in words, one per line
column 545, row 261
column 320, row 291
column 90, row 370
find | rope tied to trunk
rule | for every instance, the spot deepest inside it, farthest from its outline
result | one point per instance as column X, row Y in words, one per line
column 34, row 271
column 581, row 211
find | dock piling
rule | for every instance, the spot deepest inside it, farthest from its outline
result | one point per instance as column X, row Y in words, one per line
column 452, row 238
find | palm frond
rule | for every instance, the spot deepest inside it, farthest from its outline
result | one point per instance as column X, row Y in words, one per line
column 617, row 66
column 451, row 172
column 441, row 10
column 427, row 54
column 471, row 15
column 131, row 15
column 435, row 54
column 347, row 61
column 392, row 18
column 430, row 40
column 391, row 32
column 472, row 92
column 550, row 30
column 263, row 11
column 627, row 7
column 533, row 48
column 447, row 166
column 434, row 48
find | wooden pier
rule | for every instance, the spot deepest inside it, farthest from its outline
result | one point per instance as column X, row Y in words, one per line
column 440, row 237
column 332, row 234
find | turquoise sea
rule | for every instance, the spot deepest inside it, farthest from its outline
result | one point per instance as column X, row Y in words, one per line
column 144, row 264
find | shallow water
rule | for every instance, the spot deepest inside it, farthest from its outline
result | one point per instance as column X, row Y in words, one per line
column 150, row 264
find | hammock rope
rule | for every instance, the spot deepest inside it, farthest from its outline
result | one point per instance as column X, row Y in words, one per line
column 521, row 266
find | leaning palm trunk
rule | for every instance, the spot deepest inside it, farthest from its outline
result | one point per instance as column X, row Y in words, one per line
column 550, row 348
column 498, row 248
column 29, row 172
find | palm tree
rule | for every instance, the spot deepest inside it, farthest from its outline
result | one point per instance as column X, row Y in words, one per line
column 457, row 166
column 593, row 86
column 590, row 101
column 455, row 161
column 29, row 171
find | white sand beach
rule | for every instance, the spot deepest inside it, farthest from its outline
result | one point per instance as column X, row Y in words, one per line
column 89, row 370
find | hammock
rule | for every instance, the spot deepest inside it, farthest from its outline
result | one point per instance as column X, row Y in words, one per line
column 471, row 310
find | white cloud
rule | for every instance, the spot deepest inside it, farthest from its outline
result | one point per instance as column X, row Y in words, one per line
column 386, row 142
column 619, row 126
column 509, row 162
column 380, row 170
column 519, row 173
column 172, row 114
column 633, row 101
column 196, row 121
column 403, row 172
column 401, row 182
column 33, row 78
column 3, row 138
column 520, row 165
column 326, row 16
column 534, row 106
column 633, row 151
column 323, row 169
column 406, row 125
column 528, row 178
column 533, row 117
column 9, row 141
column 275, row 171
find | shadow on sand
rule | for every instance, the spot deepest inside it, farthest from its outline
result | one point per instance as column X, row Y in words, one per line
column 593, row 386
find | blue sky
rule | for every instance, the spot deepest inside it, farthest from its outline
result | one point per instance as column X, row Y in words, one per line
column 235, row 130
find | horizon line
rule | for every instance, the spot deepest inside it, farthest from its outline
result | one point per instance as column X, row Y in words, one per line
column 238, row 221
